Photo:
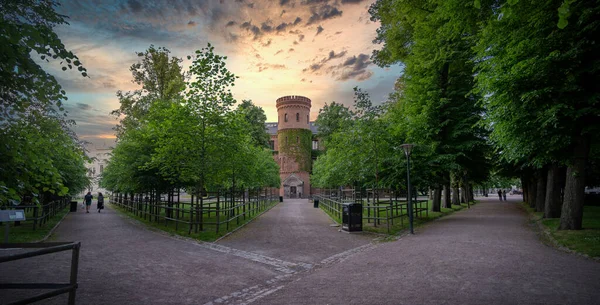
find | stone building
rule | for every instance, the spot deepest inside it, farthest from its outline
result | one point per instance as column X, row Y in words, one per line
column 293, row 141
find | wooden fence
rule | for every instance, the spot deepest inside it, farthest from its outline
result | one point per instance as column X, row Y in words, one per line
column 216, row 211
column 38, row 215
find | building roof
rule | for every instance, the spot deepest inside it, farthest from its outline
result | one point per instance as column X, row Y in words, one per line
column 271, row 128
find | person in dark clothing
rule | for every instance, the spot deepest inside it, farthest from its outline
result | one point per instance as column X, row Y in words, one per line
column 500, row 195
column 504, row 194
column 88, row 201
column 100, row 202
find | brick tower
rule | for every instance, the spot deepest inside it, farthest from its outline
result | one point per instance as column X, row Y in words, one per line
column 294, row 139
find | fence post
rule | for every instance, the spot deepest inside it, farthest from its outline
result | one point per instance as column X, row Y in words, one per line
column 74, row 268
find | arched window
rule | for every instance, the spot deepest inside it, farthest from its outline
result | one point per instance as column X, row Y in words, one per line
column 285, row 117
column 297, row 117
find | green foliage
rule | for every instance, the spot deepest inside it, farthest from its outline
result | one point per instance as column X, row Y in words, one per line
column 26, row 30
column 40, row 156
column 332, row 118
column 296, row 143
column 161, row 78
column 192, row 140
column 435, row 108
column 255, row 118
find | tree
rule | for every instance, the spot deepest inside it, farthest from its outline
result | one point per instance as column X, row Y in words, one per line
column 540, row 90
column 255, row 118
column 332, row 118
column 433, row 40
column 40, row 155
column 25, row 87
column 161, row 78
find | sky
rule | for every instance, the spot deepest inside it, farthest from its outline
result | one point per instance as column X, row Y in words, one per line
column 320, row 49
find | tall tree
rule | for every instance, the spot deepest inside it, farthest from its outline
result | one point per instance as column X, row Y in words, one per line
column 161, row 79
column 255, row 118
column 540, row 88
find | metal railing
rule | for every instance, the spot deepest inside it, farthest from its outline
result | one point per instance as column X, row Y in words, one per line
column 382, row 210
column 46, row 248
column 216, row 211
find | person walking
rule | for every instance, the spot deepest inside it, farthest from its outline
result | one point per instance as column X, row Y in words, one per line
column 504, row 194
column 500, row 195
column 88, row 201
column 100, row 202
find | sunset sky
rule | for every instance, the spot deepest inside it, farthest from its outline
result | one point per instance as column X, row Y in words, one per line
column 317, row 48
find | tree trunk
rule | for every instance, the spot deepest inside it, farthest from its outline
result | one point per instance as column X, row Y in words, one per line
column 437, row 199
column 553, row 202
column 531, row 191
column 455, row 193
column 447, row 201
column 572, row 210
column 540, row 192
column 525, row 189
column 463, row 192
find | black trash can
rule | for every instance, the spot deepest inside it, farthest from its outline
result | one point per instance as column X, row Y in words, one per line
column 73, row 206
column 316, row 203
column 352, row 217
column 280, row 198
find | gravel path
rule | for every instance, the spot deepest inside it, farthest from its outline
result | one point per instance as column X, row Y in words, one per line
column 290, row 255
column 486, row 255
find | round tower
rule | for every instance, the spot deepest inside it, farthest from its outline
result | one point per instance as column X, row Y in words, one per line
column 294, row 140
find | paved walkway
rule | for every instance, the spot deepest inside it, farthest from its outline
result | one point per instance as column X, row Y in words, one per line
column 294, row 230
column 486, row 255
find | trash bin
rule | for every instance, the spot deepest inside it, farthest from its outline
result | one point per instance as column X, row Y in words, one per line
column 73, row 206
column 316, row 203
column 280, row 198
column 352, row 217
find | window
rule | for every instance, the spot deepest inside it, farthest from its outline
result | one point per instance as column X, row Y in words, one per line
column 272, row 144
column 101, row 168
column 315, row 145
column 307, row 119
column 297, row 117
column 285, row 117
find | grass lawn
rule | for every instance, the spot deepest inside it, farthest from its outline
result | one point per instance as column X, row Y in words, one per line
column 586, row 241
column 25, row 233
column 209, row 233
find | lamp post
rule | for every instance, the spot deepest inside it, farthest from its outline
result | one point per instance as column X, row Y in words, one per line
column 407, row 150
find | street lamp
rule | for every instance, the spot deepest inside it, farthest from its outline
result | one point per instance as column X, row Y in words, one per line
column 407, row 150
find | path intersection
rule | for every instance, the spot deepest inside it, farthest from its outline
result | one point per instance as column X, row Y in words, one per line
column 291, row 255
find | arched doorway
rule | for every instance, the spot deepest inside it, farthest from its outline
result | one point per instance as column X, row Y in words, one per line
column 293, row 187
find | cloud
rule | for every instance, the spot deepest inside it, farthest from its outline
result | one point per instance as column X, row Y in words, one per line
column 231, row 23
column 135, row 6
column 279, row 51
column 265, row 66
column 319, row 30
column 300, row 37
column 268, row 43
column 353, row 67
column 323, row 13
column 83, row 106
column 191, row 23
column 315, row 67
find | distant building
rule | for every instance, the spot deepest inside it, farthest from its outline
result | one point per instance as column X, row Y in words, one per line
column 292, row 141
column 100, row 157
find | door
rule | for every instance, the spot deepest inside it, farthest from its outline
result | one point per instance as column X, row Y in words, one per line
column 292, row 192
